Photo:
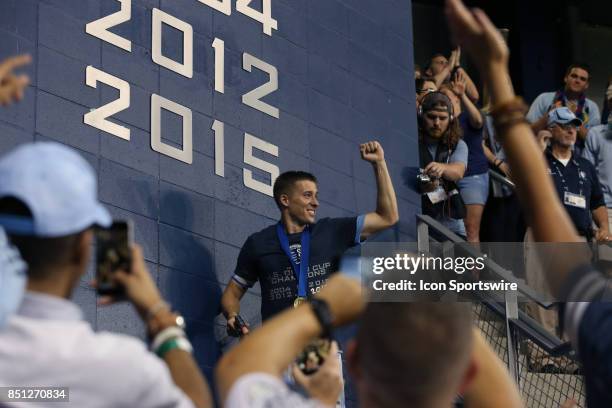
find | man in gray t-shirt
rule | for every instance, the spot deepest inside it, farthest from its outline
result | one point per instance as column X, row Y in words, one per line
column 443, row 157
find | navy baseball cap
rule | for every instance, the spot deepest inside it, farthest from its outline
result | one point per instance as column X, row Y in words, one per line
column 563, row 115
column 57, row 185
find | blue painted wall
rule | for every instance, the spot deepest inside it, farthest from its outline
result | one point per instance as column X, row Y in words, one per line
column 345, row 76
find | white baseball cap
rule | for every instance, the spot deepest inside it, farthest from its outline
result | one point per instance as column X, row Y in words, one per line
column 57, row 185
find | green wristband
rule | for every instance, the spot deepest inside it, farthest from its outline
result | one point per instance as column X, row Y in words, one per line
column 166, row 347
column 179, row 342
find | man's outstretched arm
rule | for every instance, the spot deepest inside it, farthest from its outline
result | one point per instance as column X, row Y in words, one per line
column 492, row 385
column 386, row 214
column 545, row 213
column 294, row 329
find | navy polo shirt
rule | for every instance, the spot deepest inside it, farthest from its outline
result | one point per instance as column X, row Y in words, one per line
column 578, row 177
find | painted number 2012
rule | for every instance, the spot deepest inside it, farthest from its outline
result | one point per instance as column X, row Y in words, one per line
column 99, row 118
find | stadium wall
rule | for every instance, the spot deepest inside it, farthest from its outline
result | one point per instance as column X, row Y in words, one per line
column 344, row 77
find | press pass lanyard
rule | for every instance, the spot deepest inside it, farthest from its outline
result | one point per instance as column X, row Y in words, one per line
column 562, row 178
column 301, row 271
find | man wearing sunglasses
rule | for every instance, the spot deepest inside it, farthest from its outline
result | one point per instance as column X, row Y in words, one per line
column 423, row 87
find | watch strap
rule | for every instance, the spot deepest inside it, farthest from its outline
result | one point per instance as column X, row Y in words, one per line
column 324, row 316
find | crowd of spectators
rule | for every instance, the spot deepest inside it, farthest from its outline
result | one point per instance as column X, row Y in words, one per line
column 478, row 192
column 420, row 354
column 571, row 134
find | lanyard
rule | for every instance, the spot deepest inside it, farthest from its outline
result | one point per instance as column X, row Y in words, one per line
column 562, row 178
column 301, row 272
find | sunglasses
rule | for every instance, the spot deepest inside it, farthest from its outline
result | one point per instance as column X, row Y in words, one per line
column 426, row 90
column 567, row 126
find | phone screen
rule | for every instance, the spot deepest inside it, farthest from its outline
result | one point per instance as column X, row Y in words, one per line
column 112, row 254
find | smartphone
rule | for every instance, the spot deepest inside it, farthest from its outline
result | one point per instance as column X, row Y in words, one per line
column 112, row 254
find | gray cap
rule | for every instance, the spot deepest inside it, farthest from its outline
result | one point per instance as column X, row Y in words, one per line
column 57, row 185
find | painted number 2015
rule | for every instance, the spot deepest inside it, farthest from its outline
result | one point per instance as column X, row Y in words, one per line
column 99, row 118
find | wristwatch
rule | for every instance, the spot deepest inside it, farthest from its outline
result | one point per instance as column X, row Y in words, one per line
column 161, row 321
column 321, row 311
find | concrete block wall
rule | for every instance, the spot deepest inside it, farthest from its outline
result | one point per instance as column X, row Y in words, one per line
column 345, row 77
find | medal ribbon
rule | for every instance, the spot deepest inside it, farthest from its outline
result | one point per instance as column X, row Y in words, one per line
column 301, row 271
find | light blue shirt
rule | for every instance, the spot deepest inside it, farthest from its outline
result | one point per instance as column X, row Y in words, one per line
column 541, row 105
column 598, row 150
column 459, row 155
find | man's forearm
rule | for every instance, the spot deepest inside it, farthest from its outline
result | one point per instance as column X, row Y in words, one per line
column 441, row 76
column 386, row 202
column 470, row 89
column 491, row 158
column 188, row 378
column 474, row 114
column 600, row 216
column 492, row 385
column 183, row 368
column 230, row 301
column 454, row 171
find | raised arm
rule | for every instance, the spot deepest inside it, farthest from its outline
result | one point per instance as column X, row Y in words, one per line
column 442, row 75
column 492, row 385
column 470, row 89
column 386, row 214
column 294, row 329
column 546, row 215
column 460, row 87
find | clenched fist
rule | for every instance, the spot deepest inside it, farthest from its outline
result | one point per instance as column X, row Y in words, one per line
column 372, row 152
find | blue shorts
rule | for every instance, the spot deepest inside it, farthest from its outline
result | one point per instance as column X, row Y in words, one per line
column 456, row 226
column 474, row 189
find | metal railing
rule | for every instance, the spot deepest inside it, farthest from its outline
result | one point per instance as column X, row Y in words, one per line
column 520, row 341
column 504, row 180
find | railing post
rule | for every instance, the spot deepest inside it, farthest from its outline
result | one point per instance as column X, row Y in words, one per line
column 511, row 303
column 422, row 236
